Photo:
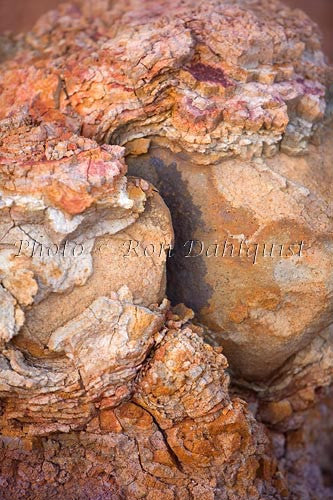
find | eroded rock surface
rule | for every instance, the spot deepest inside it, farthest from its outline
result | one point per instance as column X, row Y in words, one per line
column 253, row 253
column 181, row 436
column 106, row 391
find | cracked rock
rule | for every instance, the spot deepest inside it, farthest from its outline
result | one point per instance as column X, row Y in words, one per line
column 155, row 354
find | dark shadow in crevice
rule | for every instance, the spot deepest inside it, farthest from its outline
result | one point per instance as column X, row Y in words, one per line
column 186, row 276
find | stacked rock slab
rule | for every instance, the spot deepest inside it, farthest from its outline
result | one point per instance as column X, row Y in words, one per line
column 106, row 391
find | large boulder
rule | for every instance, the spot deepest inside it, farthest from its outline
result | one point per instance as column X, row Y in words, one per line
column 254, row 248
column 106, row 391
column 221, row 99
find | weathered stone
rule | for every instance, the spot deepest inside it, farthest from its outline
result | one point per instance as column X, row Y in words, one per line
column 254, row 248
column 105, row 390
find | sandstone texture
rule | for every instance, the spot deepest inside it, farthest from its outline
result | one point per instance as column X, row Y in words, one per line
column 254, row 249
column 148, row 353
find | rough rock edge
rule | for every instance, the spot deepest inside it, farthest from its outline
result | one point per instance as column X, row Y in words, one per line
column 212, row 449
column 180, row 74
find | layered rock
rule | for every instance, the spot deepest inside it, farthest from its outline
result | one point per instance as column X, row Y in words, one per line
column 106, row 390
column 181, row 435
column 179, row 82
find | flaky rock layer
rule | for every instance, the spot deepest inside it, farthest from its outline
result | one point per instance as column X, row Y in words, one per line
column 106, row 391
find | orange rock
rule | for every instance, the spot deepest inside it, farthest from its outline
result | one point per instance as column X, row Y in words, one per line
column 109, row 421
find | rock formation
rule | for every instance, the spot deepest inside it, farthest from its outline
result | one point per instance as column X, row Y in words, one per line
column 108, row 390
